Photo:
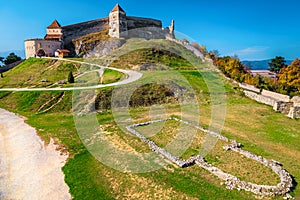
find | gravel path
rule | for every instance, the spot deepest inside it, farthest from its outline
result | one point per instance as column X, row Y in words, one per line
column 29, row 170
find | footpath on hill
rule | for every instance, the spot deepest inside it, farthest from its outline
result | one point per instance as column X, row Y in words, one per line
column 29, row 169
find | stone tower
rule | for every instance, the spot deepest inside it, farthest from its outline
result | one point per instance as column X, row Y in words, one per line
column 54, row 31
column 117, row 22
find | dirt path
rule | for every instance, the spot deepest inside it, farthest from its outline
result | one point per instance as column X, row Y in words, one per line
column 28, row 168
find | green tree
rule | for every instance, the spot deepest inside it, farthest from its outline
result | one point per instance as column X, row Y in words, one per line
column 71, row 77
column 277, row 64
column 1, row 60
column 11, row 58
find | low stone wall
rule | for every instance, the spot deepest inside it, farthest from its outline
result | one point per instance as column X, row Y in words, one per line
column 279, row 102
column 231, row 182
column 283, row 107
column 249, row 87
column 277, row 96
column 296, row 101
column 260, row 98
column 294, row 112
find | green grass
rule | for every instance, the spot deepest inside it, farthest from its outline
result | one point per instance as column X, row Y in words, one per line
column 111, row 76
column 85, row 175
column 31, row 72
column 260, row 129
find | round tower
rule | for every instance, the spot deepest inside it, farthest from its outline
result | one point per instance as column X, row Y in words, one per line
column 117, row 22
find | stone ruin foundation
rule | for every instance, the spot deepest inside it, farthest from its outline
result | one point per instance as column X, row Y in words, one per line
column 231, row 182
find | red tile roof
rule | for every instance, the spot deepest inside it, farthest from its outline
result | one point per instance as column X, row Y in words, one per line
column 54, row 25
column 62, row 51
column 118, row 8
column 53, row 36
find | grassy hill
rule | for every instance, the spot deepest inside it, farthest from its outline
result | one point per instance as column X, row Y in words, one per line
column 39, row 73
column 260, row 129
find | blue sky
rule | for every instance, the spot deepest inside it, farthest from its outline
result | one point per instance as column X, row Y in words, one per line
column 251, row 29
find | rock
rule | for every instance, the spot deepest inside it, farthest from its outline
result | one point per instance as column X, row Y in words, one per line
column 62, row 82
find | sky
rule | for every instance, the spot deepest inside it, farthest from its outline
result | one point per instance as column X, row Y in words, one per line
column 250, row 29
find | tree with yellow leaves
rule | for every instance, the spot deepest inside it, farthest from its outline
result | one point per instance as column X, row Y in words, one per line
column 289, row 78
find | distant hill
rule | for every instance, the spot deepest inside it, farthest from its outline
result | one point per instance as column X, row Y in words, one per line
column 20, row 53
column 261, row 65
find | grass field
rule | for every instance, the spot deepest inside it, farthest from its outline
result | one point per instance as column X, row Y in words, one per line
column 260, row 129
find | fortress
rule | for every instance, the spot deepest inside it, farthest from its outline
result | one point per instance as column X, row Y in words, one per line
column 60, row 39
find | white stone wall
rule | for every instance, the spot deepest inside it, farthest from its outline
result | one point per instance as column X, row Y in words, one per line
column 249, row 87
column 277, row 96
column 117, row 24
column 296, row 101
column 260, row 98
column 289, row 108
column 30, row 48
column 57, row 31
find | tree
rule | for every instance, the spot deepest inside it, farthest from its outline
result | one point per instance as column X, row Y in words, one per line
column 232, row 68
column 71, row 77
column 289, row 77
column 11, row 58
column 216, row 52
column 277, row 64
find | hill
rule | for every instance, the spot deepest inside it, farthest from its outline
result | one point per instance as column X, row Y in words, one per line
column 261, row 64
column 176, row 85
column 40, row 73
column 20, row 53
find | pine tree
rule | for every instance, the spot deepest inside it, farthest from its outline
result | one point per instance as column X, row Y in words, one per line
column 71, row 77
column 277, row 64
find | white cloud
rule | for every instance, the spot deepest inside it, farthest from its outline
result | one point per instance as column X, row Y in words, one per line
column 252, row 53
column 251, row 50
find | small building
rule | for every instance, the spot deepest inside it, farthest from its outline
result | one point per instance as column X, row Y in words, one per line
column 62, row 53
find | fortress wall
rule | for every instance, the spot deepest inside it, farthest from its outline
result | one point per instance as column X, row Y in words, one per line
column 277, row 96
column 138, row 22
column 78, row 30
column 146, row 33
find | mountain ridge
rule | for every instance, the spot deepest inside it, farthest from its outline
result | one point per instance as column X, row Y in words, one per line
column 20, row 53
column 260, row 64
